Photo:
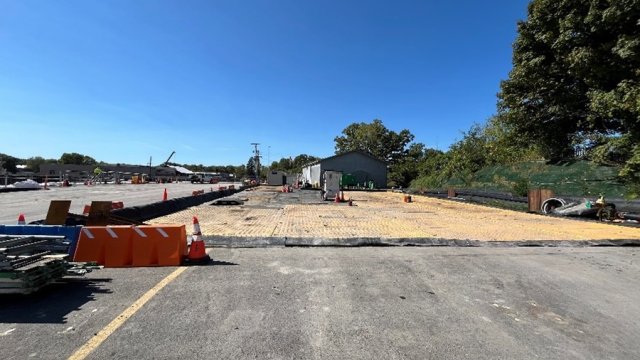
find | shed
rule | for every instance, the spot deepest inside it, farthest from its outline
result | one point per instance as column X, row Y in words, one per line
column 361, row 166
column 276, row 177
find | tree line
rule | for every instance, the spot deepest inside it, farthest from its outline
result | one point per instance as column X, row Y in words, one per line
column 573, row 93
column 10, row 163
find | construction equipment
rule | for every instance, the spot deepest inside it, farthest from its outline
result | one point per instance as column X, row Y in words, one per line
column 331, row 186
column 166, row 163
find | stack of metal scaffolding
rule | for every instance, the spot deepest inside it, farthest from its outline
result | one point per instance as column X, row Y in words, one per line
column 27, row 263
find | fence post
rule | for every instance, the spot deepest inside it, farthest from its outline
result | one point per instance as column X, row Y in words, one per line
column 534, row 200
column 545, row 194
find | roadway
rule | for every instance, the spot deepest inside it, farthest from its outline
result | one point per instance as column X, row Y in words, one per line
column 336, row 303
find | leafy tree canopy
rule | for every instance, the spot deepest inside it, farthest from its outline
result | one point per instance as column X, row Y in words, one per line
column 375, row 139
column 576, row 76
column 293, row 165
column 251, row 167
column 34, row 162
column 77, row 159
column 8, row 163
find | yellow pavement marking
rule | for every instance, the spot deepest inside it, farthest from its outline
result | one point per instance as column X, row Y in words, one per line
column 103, row 334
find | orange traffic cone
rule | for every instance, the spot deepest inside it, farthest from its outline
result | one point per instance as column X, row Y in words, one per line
column 21, row 220
column 337, row 198
column 197, row 253
column 164, row 195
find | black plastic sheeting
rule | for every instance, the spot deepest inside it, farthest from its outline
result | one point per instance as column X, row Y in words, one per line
column 2, row 190
column 623, row 205
column 464, row 193
column 162, row 208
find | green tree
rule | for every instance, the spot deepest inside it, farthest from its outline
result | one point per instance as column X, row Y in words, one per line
column 433, row 172
column 576, row 74
column 406, row 170
column 301, row 160
column 375, row 139
column 251, row 167
column 9, row 163
column 468, row 155
column 77, row 159
column 292, row 165
column 34, row 163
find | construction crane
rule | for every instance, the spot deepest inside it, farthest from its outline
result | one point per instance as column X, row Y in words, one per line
column 168, row 159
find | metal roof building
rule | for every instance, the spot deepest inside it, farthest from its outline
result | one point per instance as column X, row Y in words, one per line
column 363, row 166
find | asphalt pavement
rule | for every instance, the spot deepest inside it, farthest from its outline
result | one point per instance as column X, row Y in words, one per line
column 346, row 303
column 34, row 204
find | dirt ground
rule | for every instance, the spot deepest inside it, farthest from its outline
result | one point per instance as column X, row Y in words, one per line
column 267, row 212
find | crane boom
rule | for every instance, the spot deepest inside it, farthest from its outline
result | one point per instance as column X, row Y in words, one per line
column 169, row 158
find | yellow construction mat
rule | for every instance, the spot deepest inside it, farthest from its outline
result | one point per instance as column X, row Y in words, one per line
column 385, row 215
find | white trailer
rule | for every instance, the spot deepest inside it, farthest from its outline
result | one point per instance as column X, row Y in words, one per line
column 331, row 188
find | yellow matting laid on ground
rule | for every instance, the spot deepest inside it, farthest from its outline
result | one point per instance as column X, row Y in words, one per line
column 269, row 213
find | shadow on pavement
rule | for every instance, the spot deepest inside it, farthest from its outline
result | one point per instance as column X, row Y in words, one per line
column 51, row 304
column 220, row 262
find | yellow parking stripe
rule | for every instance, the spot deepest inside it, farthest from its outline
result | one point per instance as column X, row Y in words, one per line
column 103, row 334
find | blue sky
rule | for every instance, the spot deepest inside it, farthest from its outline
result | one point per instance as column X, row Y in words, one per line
column 123, row 80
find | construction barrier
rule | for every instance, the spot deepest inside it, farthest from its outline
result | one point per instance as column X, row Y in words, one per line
column 90, row 246
column 69, row 232
column 117, row 247
column 124, row 246
column 115, row 205
column 159, row 245
column 162, row 208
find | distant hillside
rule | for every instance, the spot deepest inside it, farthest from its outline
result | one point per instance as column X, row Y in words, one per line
column 577, row 178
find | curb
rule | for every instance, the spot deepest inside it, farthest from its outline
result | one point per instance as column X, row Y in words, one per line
column 253, row 242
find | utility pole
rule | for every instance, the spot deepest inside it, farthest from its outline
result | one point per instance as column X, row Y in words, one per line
column 256, row 159
column 4, row 172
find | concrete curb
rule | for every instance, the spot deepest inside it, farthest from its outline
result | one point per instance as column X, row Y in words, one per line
column 252, row 242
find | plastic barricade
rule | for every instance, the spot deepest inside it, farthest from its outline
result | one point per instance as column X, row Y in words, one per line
column 107, row 245
column 159, row 245
column 69, row 232
column 118, row 248
column 90, row 245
